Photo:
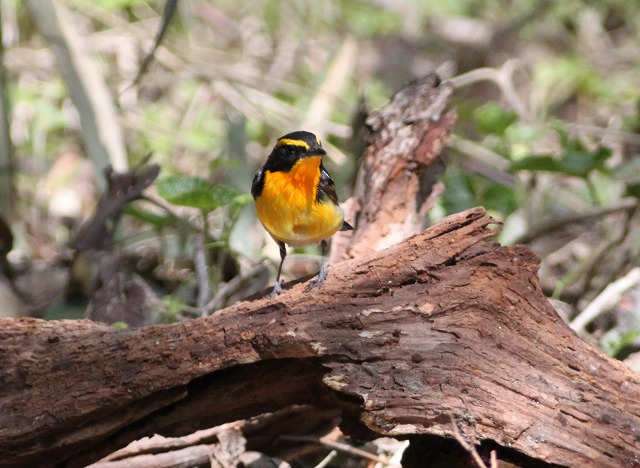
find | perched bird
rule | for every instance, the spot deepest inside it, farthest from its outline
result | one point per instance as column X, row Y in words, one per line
column 296, row 199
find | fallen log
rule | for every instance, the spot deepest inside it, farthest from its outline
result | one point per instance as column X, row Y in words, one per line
column 397, row 340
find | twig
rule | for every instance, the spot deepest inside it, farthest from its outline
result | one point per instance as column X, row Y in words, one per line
column 6, row 146
column 494, row 459
column 167, row 15
column 342, row 447
column 466, row 445
column 158, row 443
column 154, row 200
column 606, row 299
column 200, row 260
column 189, row 456
column 503, row 79
column 599, row 131
column 586, row 268
column 626, row 253
column 326, row 460
column 626, row 204
column 495, row 166
column 232, row 287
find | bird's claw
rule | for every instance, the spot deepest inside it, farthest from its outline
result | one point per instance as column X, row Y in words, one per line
column 316, row 284
column 277, row 289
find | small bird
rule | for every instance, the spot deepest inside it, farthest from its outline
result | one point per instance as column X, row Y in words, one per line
column 296, row 199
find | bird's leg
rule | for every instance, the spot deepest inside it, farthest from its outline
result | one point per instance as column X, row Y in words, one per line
column 324, row 246
column 283, row 253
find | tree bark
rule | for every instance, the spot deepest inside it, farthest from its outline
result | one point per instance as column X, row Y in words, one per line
column 397, row 182
column 396, row 340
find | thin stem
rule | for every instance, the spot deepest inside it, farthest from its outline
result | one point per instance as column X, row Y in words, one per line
column 201, row 265
column 593, row 193
column 6, row 146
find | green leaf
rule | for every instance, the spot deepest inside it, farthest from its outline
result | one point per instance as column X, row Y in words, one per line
column 224, row 194
column 237, row 205
column 149, row 217
column 499, row 198
column 536, row 163
column 615, row 341
column 581, row 163
column 573, row 162
column 458, row 195
column 195, row 192
column 187, row 191
column 171, row 308
column 492, row 118
column 242, row 199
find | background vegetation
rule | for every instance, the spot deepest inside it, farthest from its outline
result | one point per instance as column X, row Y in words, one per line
column 547, row 137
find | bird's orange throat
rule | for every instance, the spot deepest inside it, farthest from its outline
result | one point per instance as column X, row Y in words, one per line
column 305, row 174
column 298, row 186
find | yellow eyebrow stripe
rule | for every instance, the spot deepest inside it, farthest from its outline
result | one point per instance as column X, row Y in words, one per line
column 288, row 141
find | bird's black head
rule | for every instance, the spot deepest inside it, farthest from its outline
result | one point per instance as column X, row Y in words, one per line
column 291, row 147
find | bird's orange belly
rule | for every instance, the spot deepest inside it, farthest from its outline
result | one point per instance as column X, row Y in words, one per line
column 288, row 211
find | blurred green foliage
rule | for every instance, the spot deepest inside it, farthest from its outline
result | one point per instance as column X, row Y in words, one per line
column 196, row 192
column 574, row 162
column 493, row 119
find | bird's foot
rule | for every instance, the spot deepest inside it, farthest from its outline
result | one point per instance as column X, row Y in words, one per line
column 277, row 289
column 317, row 283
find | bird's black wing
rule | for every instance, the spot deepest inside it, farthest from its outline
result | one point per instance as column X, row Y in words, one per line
column 326, row 187
column 258, row 184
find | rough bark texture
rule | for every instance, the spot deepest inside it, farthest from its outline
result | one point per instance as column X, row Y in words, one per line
column 397, row 182
column 396, row 340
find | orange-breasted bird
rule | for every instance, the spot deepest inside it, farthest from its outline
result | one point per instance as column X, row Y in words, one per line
column 296, row 198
